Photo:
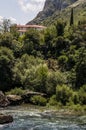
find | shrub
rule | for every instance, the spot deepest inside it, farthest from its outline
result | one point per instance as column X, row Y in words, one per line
column 16, row 91
column 41, row 77
column 53, row 101
column 38, row 100
column 25, row 71
column 81, row 68
column 75, row 98
column 54, row 78
column 62, row 60
column 82, row 94
column 77, row 108
column 63, row 94
column 6, row 68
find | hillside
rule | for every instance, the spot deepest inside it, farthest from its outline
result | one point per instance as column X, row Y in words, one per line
column 51, row 62
column 79, row 13
column 60, row 9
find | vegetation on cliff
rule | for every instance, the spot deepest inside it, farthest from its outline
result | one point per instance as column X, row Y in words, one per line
column 60, row 9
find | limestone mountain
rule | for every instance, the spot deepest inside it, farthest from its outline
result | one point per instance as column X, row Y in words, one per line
column 79, row 8
column 50, row 7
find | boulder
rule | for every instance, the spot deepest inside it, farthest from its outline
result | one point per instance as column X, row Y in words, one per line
column 14, row 99
column 4, row 119
column 27, row 96
column 3, row 100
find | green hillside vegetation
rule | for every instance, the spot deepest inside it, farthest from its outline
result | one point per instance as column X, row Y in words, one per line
column 51, row 61
column 64, row 14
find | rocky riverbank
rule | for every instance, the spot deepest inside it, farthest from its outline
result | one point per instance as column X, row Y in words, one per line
column 12, row 100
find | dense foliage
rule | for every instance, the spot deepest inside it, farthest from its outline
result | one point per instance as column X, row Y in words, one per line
column 51, row 61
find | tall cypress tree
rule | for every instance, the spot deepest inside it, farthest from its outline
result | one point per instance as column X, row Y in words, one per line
column 72, row 17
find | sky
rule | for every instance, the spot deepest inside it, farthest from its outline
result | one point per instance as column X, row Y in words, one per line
column 20, row 11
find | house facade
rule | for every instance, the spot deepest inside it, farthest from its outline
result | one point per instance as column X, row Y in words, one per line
column 23, row 28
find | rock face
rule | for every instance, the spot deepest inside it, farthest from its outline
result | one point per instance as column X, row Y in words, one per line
column 50, row 7
column 3, row 100
column 4, row 119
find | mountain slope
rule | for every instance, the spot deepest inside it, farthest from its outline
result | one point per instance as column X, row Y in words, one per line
column 50, row 7
column 79, row 13
column 61, row 10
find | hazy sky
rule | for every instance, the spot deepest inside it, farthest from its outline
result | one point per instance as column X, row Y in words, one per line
column 20, row 11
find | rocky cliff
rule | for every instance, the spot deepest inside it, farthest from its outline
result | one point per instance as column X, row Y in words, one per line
column 50, row 7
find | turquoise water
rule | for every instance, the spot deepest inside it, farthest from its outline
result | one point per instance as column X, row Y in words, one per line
column 34, row 119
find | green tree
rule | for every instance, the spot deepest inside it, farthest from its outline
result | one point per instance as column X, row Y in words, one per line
column 6, row 68
column 17, row 48
column 6, row 40
column 81, row 68
column 62, row 61
column 5, row 26
column 28, row 48
column 54, row 79
column 61, row 45
column 72, row 17
column 31, row 41
column 49, row 35
column 41, row 79
column 75, row 98
column 38, row 100
column 60, row 28
column 25, row 71
column 63, row 94
column 14, row 31
column 82, row 94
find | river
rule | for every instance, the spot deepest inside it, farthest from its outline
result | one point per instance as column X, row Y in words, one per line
column 27, row 118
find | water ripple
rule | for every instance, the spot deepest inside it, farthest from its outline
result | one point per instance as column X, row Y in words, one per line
column 33, row 119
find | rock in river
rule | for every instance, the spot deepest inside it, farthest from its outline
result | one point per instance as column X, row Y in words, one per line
column 4, row 119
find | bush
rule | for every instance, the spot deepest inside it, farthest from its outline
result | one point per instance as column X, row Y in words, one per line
column 77, row 108
column 25, row 71
column 41, row 77
column 81, row 68
column 82, row 95
column 16, row 91
column 38, row 100
column 75, row 98
column 62, row 60
column 6, row 68
column 63, row 94
column 53, row 101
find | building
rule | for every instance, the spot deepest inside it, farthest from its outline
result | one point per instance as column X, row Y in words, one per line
column 23, row 28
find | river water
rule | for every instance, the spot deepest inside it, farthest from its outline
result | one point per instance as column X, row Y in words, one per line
column 27, row 118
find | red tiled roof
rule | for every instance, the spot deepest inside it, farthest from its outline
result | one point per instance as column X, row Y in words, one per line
column 30, row 26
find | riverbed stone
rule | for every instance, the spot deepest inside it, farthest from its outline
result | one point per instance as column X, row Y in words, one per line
column 14, row 99
column 28, row 94
column 4, row 119
column 3, row 100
